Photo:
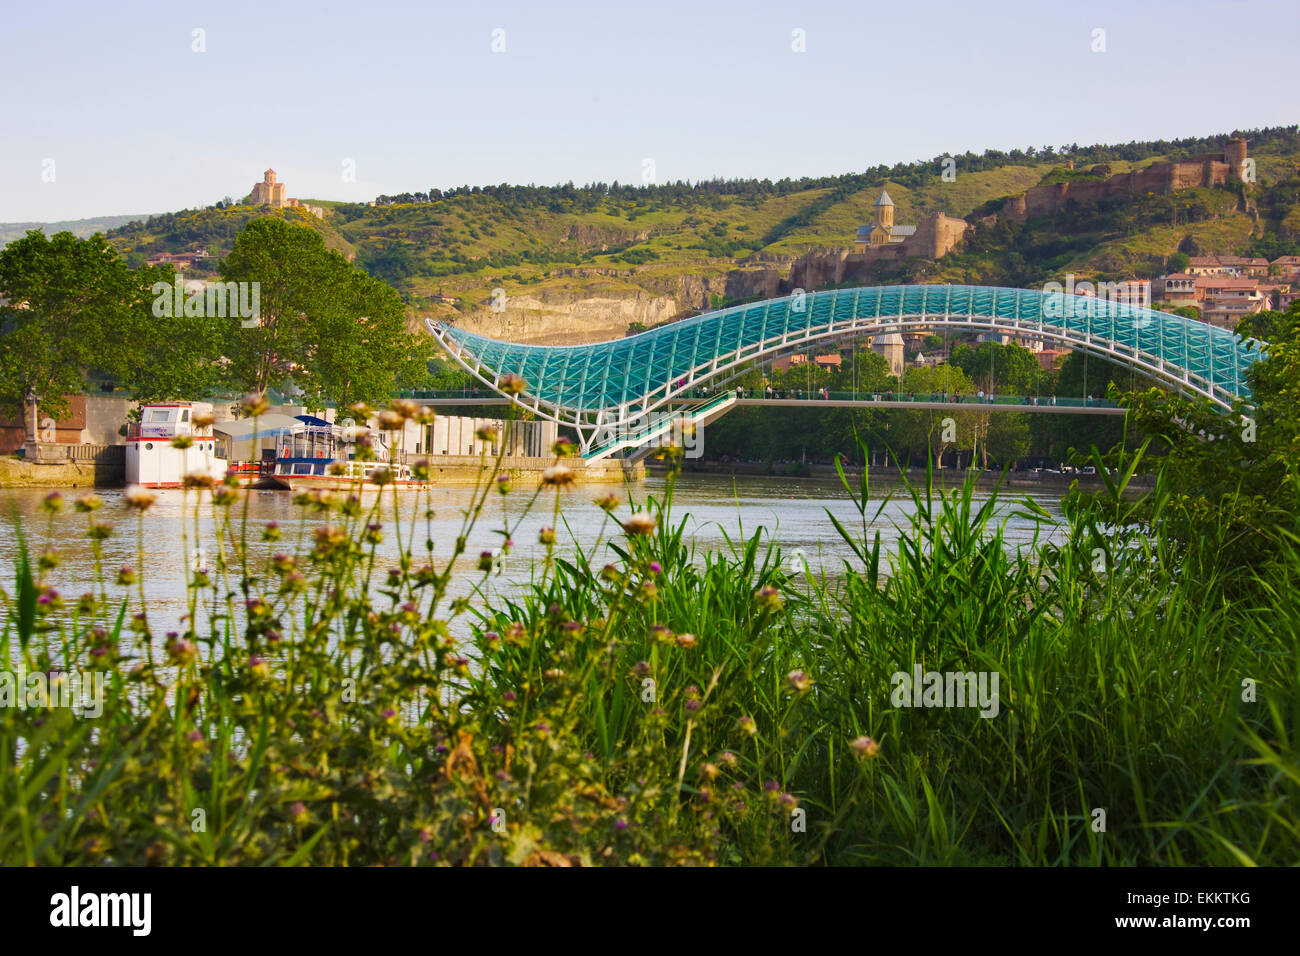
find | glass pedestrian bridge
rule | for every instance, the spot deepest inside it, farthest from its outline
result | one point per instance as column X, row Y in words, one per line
column 599, row 389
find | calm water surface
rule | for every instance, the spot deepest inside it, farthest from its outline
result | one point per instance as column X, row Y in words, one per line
column 715, row 509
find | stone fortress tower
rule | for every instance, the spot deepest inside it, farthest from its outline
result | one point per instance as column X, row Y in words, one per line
column 268, row 192
column 271, row 193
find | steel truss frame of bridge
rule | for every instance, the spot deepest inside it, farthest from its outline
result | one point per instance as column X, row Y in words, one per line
column 609, row 390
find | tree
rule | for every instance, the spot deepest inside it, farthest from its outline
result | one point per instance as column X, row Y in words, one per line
column 336, row 331
column 165, row 357
column 67, row 300
column 928, row 431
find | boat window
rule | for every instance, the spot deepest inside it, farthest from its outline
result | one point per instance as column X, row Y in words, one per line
column 185, row 414
column 160, row 414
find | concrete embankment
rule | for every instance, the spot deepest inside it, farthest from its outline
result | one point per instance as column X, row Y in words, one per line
column 457, row 471
column 17, row 473
column 452, row 471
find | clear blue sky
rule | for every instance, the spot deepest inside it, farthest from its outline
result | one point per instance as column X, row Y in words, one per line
column 412, row 92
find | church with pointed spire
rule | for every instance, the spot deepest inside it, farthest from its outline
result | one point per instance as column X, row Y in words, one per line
column 933, row 237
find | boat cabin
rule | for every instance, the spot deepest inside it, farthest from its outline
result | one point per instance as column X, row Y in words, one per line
column 151, row 459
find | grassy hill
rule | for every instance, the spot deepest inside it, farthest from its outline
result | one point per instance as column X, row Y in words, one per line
column 621, row 240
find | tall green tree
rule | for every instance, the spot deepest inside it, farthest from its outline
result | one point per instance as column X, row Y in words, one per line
column 66, row 303
column 338, row 333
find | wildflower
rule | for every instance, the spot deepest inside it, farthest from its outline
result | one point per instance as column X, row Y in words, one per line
column 381, row 476
column 299, row 811
column 389, row 420
column 99, row 530
column 204, row 419
column 195, row 739
column 571, row 628
column 49, row 560
column 405, row 407
column 709, row 771
column 86, row 603
column 487, row 433
column 503, row 483
column 641, row 669
column 542, row 729
column 692, row 706
column 485, row 560
column 257, row 666
column 546, row 536
column 181, row 652
column 426, row 416
column 661, row 635
column 254, row 404
column 201, row 579
column 620, row 824
column 52, row 502
column 558, row 475
column 511, row 384
column 608, row 503
column 224, row 496
column 139, row 498
column 563, row 448
column 639, row 523
column 361, row 409
column 798, row 681
column 126, row 576
column 788, row 801
column 686, row 641
column 648, row 591
column 89, row 502
column 515, row 634
column 865, row 747
column 768, row 598
column 182, row 441
column 509, row 696
column 271, row 532
column 747, row 725
column 492, row 637
column 199, row 479
column 420, row 470
column 728, row 759
column 374, row 533
column 610, row 573
column 656, row 567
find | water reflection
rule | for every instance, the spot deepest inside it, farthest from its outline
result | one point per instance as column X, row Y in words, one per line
column 714, row 508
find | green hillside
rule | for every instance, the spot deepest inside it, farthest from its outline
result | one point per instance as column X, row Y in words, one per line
column 620, row 238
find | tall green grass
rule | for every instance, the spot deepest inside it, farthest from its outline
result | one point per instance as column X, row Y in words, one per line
column 646, row 702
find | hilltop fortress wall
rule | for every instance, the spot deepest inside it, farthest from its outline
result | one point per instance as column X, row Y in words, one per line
column 1161, row 178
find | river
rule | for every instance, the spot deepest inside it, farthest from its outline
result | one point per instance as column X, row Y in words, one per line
column 715, row 509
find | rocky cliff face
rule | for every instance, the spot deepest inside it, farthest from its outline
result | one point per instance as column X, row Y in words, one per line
column 546, row 317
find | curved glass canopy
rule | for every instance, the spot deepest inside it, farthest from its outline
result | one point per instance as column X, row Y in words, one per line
column 588, row 384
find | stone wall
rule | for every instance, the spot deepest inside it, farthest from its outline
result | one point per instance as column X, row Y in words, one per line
column 1160, row 178
column 16, row 473
column 451, row 471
